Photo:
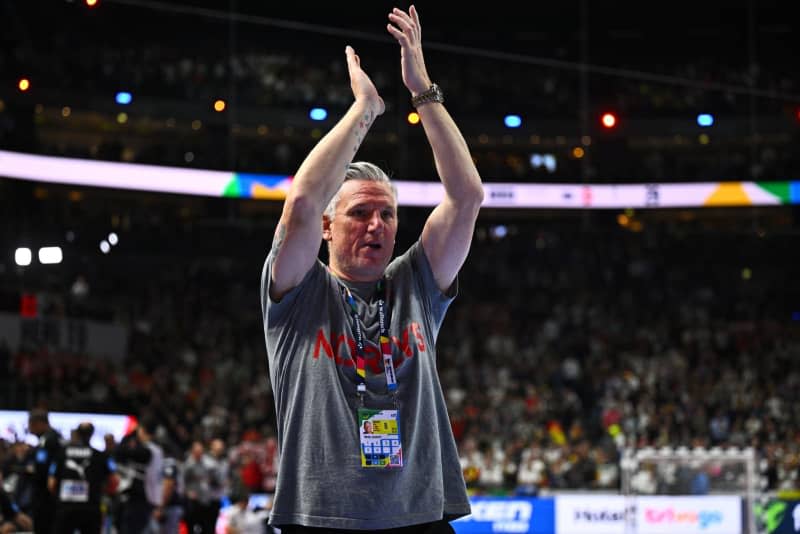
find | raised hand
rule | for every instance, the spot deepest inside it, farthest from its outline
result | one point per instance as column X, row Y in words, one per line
column 361, row 84
column 408, row 33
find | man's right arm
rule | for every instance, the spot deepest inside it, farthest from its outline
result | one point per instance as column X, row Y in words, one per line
column 299, row 232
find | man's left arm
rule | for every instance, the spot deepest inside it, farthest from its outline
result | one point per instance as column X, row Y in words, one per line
column 447, row 234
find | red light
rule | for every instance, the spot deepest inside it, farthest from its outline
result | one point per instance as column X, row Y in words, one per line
column 609, row 120
column 28, row 306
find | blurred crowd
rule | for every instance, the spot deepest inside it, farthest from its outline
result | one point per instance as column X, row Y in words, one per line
column 575, row 346
column 566, row 345
column 140, row 484
column 267, row 76
column 284, row 68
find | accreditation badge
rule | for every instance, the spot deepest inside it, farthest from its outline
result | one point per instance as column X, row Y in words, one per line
column 379, row 436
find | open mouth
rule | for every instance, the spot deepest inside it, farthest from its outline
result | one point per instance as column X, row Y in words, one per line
column 373, row 246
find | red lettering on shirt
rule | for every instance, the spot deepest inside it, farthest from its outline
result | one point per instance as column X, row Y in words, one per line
column 322, row 342
column 340, row 348
column 403, row 345
column 417, row 329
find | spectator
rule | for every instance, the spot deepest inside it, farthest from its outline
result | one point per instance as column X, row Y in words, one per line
column 11, row 518
column 199, row 474
column 43, row 503
column 140, row 464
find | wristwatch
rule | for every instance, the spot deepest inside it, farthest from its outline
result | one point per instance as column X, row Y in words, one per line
column 433, row 94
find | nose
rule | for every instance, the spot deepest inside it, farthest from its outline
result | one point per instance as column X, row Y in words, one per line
column 375, row 221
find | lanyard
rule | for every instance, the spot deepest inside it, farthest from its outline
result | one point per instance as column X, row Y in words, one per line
column 386, row 350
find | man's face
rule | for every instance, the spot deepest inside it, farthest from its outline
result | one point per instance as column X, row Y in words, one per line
column 362, row 232
column 217, row 448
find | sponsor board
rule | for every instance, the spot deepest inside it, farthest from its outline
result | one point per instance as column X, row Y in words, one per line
column 689, row 515
column 507, row 514
column 778, row 516
column 607, row 514
column 593, row 514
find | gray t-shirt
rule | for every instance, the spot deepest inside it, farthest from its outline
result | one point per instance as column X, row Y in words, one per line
column 311, row 350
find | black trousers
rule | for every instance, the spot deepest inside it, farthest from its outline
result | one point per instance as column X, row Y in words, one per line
column 437, row 527
column 201, row 517
column 85, row 519
column 43, row 514
column 135, row 516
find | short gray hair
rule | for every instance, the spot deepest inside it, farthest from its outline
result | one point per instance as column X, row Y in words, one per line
column 360, row 170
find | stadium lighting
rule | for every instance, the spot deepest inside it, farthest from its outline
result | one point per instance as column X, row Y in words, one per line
column 548, row 161
column 512, row 121
column 499, row 231
column 23, row 256
column 609, row 120
column 123, row 98
column 50, row 255
column 705, row 119
column 318, row 114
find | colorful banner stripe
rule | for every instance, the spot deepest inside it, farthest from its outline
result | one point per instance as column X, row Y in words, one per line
column 159, row 179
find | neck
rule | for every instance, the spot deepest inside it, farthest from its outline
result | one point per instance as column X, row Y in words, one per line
column 352, row 278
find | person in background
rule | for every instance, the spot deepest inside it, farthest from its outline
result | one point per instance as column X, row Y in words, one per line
column 140, row 462
column 243, row 519
column 198, row 474
column 78, row 477
column 170, row 513
column 12, row 519
column 18, row 482
column 220, row 477
column 43, row 503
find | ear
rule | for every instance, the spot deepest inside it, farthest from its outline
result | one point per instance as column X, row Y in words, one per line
column 326, row 228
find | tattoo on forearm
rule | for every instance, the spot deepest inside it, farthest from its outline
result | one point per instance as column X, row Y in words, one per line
column 363, row 126
column 280, row 235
